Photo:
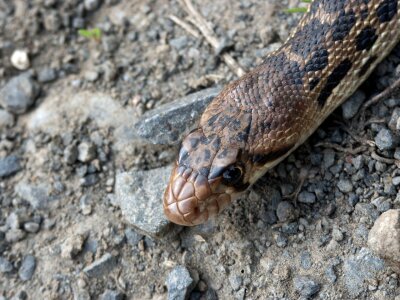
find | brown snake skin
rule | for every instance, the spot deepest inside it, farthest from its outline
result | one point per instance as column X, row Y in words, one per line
column 258, row 120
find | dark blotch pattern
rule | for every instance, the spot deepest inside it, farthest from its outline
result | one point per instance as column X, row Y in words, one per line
column 310, row 38
column 367, row 65
column 318, row 61
column 386, row 10
column 343, row 24
column 333, row 80
column 366, row 38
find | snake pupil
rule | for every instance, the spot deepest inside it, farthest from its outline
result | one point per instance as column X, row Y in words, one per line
column 232, row 175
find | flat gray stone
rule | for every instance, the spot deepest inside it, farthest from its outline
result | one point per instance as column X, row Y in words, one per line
column 38, row 195
column 359, row 269
column 19, row 94
column 306, row 286
column 9, row 165
column 101, row 267
column 27, row 268
column 139, row 194
column 167, row 123
column 179, row 283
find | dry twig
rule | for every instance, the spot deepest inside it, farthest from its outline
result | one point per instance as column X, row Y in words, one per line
column 385, row 160
column 184, row 25
column 342, row 149
column 206, row 30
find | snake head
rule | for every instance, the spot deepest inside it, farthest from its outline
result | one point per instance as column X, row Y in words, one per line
column 205, row 179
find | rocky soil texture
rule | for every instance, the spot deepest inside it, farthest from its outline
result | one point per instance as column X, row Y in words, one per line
column 80, row 191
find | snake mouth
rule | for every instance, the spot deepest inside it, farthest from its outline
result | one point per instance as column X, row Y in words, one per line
column 190, row 198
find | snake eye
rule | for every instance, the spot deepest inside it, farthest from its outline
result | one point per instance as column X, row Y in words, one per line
column 232, row 175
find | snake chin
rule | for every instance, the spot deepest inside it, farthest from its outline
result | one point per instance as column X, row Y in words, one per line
column 192, row 199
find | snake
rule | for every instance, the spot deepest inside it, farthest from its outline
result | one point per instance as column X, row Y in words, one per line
column 258, row 120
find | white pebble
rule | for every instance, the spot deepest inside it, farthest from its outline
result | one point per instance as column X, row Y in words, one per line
column 20, row 59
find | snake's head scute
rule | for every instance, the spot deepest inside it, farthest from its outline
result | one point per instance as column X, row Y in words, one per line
column 205, row 179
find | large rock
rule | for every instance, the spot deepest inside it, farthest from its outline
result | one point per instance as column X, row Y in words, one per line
column 179, row 283
column 167, row 123
column 360, row 269
column 19, row 94
column 384, row 238
column 139, row 195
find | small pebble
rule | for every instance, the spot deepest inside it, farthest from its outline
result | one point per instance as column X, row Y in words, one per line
column 86, row 152
column 285, row 211
column 31, row 227
column 27, row 268
column 384, row 140
column 306, row 197
column 179, row 283
column 9, row 165
column 236, row 282
column 306, row 286
column 5, row 265
column 345, row 186
column 112, row 295
column 20, row 59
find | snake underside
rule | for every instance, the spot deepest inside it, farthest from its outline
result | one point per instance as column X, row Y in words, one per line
column 258, row 120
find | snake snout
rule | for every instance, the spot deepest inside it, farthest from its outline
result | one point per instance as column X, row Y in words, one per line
column 189, row 200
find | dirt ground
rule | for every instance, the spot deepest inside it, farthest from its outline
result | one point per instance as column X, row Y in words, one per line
column 69, row 132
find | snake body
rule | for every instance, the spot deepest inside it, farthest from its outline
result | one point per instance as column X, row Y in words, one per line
column 258, row 120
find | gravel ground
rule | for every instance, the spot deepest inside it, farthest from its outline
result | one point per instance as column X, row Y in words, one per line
column 80, row 206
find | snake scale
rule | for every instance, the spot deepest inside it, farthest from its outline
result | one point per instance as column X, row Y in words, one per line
column 259, row 119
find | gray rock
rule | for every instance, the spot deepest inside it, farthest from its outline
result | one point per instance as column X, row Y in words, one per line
column 236, row 282
column 167, row 123
column 139, row 194
column 281, row 240
column 101, row 267
column 306, row 286
column 91, row 4
column 396, row 180
column 359, row 269
column 179, row 283
column 337, row 235
column 37, row 195
column 9, row 165
column 394, row 119
column 384, row 237
column 15, row 235
column 330, row 274
column 31, row 227
column 305, row 260
column 179, row 42
column 329, row 158
column 306, row 197
column 345, row 186
column 47, row 75
column 132, row 237
column 385, row 140
column 352, row 105
column 19, row 94
column 285, row 211
column 27, row 268
column 112, row 295
column 397, row 153
column 86, row 152
column 6, row 119
column 5, row 265
column 70, row 154
column 52, row 21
